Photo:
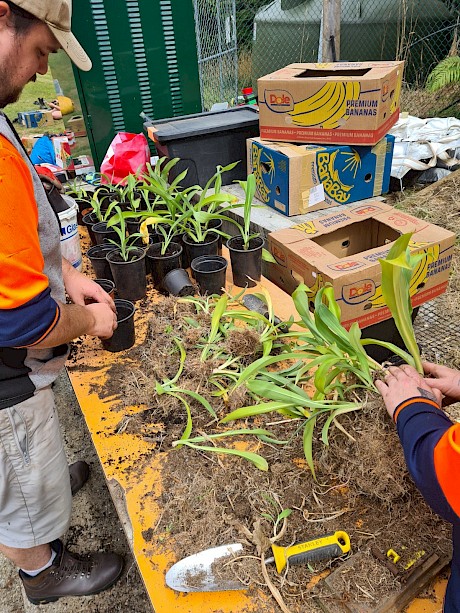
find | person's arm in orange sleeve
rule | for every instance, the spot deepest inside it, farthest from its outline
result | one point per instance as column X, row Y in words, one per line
column 29, row 316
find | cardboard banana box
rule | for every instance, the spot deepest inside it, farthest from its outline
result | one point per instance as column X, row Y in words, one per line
column 342, row 103
column 344, row 249
column 298, row 179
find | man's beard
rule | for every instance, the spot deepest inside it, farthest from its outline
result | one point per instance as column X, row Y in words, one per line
column 9, row 92
column 8, row 96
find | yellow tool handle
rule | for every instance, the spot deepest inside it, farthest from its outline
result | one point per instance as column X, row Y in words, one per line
column 323, row 548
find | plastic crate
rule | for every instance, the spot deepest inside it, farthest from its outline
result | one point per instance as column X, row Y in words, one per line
column 205, row 140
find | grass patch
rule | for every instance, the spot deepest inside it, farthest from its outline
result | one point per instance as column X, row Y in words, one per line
column 42, row 88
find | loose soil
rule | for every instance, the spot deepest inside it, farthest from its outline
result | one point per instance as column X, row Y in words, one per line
column 362, row 484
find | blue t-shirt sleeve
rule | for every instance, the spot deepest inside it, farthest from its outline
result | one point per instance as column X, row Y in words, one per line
column 421, row 425
column 30, row 323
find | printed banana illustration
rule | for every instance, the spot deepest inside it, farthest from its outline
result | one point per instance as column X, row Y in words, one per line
column 327, row 107
column 308, row 227
column 314, row 289
column 258, row 169
column 431, row 254
column 395, row 101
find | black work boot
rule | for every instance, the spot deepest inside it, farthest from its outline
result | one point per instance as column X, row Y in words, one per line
column 72, row 575
column 79, row 473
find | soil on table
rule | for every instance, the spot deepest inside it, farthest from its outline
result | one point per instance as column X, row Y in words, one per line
column 362, row 483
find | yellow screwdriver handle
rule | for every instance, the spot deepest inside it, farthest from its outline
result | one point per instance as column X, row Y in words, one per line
column 323, row 548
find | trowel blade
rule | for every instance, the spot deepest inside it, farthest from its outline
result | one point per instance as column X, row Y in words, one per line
column 195, row 573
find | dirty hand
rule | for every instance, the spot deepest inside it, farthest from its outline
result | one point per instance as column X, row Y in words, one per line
column 446, row 380
column 79, row 287
column 105, row 320
column 403, row 383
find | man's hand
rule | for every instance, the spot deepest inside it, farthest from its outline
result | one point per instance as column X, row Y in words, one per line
column 105, row 320
column 446, row 380
column 79, row 287
column 403, row 383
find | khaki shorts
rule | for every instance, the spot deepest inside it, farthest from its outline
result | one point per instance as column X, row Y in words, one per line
column 35, row 496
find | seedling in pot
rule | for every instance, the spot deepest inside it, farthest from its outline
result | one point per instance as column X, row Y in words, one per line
column 249, row 188
column 168, row 235
column 128, row 194
column 125, row 241
column 159, row 174
column 165, row 194
column 96, row 203
column 77, row 190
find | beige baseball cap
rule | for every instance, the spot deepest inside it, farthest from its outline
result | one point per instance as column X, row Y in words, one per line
column 57, row 14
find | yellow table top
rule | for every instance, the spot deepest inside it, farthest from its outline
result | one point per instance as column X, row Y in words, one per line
column 136, row 481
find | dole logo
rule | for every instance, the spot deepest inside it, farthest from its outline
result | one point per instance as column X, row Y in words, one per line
column 278, row 255
column 279, row 100
column 355, row 293
column 351, row 264
column 366, row 209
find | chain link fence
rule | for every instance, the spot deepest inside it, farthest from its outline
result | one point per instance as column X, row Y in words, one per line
column 216, row 33
column 257, row 37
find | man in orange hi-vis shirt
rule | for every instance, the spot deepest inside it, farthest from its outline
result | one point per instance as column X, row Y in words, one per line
column 35, row 326
column 431, row 444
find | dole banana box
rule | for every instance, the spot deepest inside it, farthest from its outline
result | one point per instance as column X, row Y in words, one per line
column 298, row 179
column 344, row 249
column 36, row 119
column 343, row 103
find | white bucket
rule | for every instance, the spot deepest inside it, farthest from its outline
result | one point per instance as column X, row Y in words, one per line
column 70, row 240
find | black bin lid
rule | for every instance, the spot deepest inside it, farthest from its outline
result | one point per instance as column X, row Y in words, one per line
column 186, row 126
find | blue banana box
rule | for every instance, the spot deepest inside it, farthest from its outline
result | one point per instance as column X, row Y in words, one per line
column 298, row 179
column 36, row 119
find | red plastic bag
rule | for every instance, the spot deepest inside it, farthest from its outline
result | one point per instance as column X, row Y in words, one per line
column 127, row 154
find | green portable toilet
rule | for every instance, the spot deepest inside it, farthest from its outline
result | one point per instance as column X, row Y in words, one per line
column 144, row 60
column 288, row 31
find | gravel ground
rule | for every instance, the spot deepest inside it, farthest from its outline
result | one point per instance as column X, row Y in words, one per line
column 94, row 527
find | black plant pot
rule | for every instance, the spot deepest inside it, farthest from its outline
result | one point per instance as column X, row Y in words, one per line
column 194, row 250
column 124, row 336
column 178, row 283
column 246, row 263
column 160, row 264
column 84, row 207
column 133, row 226
column 384, row 331
column 89, row 220
column 97, row 255
column 209, row 272
column 103, row 234
column 216, row 224
column 107, row 285
column 129, row 277
column 105, row 198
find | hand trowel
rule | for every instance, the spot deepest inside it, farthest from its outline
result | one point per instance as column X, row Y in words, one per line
column 205, row 571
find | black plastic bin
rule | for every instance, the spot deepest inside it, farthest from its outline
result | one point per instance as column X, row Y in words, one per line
column 205, row 140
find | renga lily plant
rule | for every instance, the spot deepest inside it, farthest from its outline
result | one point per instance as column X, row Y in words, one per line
column 310, row 370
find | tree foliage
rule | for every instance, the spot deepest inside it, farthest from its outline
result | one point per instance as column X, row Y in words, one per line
column 445, row 73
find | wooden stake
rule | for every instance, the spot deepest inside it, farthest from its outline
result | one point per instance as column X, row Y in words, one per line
column 331, row 30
